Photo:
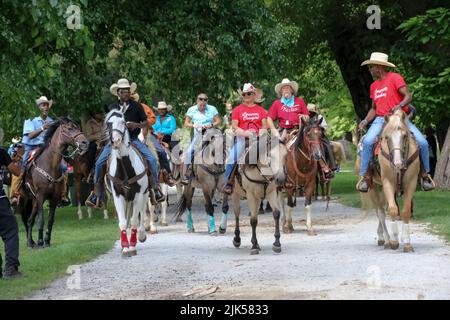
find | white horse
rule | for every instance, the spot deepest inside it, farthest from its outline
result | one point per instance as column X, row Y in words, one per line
column 128, row 182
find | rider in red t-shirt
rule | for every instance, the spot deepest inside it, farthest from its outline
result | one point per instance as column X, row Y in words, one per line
column 247, row 119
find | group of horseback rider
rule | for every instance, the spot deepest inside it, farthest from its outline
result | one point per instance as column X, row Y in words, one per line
column 388, row 93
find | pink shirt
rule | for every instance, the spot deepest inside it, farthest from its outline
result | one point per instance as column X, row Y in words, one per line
column 250, row 118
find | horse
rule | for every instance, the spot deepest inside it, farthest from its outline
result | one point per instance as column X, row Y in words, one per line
column 128, row 182
column 325, row 185
column 399, row 167
column 302, row 168
column 44, row 179
column 209, row 177
column 259, row 181
column 82, row 170
column 151, row 219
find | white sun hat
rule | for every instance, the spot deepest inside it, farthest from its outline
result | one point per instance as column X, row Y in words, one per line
column 162, row 105
column 286, row 82
column 378, row 58
column 248, row 87
column 43, row 99
column 122, row 84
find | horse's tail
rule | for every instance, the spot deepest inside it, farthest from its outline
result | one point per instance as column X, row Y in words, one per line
column 342, row 152
column 181, row 205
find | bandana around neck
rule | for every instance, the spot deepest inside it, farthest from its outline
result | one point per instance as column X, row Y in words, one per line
column 288, row 102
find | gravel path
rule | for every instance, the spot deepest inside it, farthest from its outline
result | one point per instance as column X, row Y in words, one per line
column 342, row 262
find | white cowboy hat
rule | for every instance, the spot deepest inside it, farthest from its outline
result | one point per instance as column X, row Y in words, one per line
column 43, row 99
column 248, row 87
column 378, row 58
column 311, row 107
column 162, row 105
column 122, row 84
column 286, row 82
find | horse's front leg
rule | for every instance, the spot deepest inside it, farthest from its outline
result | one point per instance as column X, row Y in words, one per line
column 237, row 211
column 273, row 200
column 51, row 220
column 309, row 189
column 406, row 215
column 209, row 208
column 383, row 234
column 121, row 204
column 287, row 221
column 41, row 222
column 253, row 203
column 389, row 193
column 225, row 208
column 30, row 224
column 153, row 218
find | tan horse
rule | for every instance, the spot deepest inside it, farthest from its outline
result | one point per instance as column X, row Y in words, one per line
column 258, row 182
column 399, row 169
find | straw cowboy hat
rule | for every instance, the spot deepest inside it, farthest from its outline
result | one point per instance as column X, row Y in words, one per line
column 122, row 84
column 43, row 99
column 286, row 82
column 378, row 58
column 162, row 105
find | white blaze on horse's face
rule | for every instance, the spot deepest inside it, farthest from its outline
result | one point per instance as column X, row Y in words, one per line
column 116, row 121
column 396, row 140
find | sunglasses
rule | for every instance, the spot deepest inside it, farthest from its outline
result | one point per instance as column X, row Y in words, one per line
column 203, row 99
column 248, row 94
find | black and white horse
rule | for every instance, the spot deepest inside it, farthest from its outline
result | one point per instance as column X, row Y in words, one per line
column 128, row 182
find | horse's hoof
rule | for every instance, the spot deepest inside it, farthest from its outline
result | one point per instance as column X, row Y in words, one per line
column 192, row 230
column 387, row 246
column 179, row 220
column 254, row 251
column 132, row 253
column 222, row 231
column 46, row 244
column 408, row 248
column 125, row 253
column 31, row 244
column 40, row 244
column 311, row 232
column 164, row 224
column 153, row 231
column 276, row 249
column 394, row 245
column 213, row 234
column 147, row 229
column 143, row 239
column 380, row 243
column 236, row 244
column 285, row 229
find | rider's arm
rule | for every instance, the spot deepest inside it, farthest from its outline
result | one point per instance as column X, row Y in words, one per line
column 216, row 121
column 272, row 128
column 238, row 131
column 370, row 116
column 188, row 122
column 406, row 98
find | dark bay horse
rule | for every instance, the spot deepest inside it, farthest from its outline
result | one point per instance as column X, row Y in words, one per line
column 302, row 167
column 44, row 179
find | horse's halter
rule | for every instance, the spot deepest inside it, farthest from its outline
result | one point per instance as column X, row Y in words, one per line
column 111, row 130
column 311, row 143
column 65, row 128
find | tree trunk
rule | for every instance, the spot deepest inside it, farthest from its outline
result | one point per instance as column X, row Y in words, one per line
column 442, row 175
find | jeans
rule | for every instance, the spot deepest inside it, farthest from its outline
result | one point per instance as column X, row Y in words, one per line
column 235, row 154
column 195, row 145
column 162, row 155
column 9, row 233
column 101, row 161
column 375, row 130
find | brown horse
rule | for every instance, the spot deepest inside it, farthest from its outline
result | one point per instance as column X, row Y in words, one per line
column 44, row 179
column 302, row 167
column 82, row 170
column 399, row 170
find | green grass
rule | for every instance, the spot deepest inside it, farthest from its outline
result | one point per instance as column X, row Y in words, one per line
column 430, row 207
column 73, row 242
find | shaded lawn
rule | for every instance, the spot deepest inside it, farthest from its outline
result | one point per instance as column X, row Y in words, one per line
column 73, row 242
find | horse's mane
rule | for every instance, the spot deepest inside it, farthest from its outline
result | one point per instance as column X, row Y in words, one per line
column 52, row 129
column 393, row 124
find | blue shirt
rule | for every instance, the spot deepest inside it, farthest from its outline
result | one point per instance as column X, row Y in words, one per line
column 33, row 125
column 167, row 127
column 202, row 118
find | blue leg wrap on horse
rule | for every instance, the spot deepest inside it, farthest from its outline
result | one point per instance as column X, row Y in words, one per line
column 211, row 224
column 189, row 222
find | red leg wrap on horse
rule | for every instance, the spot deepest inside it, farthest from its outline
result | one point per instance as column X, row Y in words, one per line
column 133, row 238
column 124, row 239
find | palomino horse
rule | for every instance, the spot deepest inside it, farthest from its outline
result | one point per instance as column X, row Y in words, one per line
column 209, row 177
column 82, row 170
column 259, row 181
column 302, row 167
column 44, row 179
column 399, row 169
column 128, row 182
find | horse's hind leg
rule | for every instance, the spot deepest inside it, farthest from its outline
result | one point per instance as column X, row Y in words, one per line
column 273, row 200
column 393, row 212
column 41, row 221
column 382, row 231
column 225, row 208
column 308, row 209
column 406, row 215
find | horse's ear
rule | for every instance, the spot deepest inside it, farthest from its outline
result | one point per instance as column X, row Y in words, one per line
column 386, row 118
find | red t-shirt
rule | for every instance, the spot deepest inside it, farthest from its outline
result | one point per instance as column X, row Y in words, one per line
column 385, row 93
column 250, row 118
column 291, row 114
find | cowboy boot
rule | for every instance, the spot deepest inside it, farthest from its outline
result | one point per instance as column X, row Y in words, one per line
column 168, row 178
column 364, row 183
column 327, row 173
column 187, row 175
column 329, row 155
column 16, row 183
column 228, row 188
column 94, row 199
column 427, row 182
